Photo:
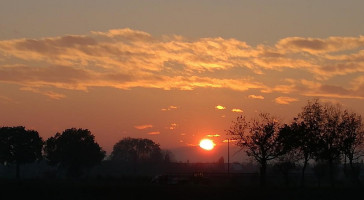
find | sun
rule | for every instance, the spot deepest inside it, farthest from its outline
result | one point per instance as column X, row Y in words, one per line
column 207, row 144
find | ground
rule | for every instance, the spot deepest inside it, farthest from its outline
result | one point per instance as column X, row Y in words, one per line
column 142, row 189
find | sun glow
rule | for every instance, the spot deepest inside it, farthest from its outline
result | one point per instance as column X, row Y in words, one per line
column 207, row 144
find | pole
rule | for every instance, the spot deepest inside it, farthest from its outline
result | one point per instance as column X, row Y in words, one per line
column 228, row 156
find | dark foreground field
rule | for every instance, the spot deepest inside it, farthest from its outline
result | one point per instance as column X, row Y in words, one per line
column 116, row 189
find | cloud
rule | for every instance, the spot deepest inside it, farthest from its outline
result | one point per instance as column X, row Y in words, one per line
column 288, row 87
column 50, row 94
column 127, row 59
column 252, row 96
column 154, row 133
column 220, row 107
column 123, row 59
column 142, row 127
column 215, row 135
column 5, row 99
column 230, row 140
column 285, row 100
column 172, row 126
column 169, row 108
column 334, row 89
column 318, row 89
column 317, row 45
column 124, row 34
column 237, row 110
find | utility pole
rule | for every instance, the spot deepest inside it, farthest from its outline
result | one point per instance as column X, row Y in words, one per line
column 228, row 156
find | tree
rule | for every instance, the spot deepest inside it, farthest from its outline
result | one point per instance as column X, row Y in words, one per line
column 261, row 139
column 221, row 163
column 306, row 130
column 352, row 135
column 74, row 150
column 285, row 165
column 319, row 135
column 352, row 131
column 299, row 143
column 19, row 146
column 139, row 155
column 136, row 150
column 325, row 132
column 168, row 156
column 330, row 139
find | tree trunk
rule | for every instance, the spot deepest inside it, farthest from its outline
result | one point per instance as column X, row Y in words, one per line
column 263, row 170
column 331, row 173
column 303, row 172
column 17, row 171
column 351, row 173
column 354, row 171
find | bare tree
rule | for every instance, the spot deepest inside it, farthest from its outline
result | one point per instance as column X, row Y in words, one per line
column 330, row 141
column 298, row 144
column 260, row 138
column 352, row 135
column 325, row 132
column 317, row 130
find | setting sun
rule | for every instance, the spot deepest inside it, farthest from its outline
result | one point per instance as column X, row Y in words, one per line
column 207, row 144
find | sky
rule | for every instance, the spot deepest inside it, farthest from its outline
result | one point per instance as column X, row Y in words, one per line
column 174, row 71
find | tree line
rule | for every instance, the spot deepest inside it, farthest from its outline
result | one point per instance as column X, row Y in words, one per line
column 73, row 151
column 325, row 134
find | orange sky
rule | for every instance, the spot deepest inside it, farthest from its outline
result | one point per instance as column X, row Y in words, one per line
column 174, row 72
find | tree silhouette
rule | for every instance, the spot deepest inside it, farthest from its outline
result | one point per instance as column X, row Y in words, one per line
column 221, row 163
column 168, row 156
column 325, row 132
column 330, row 140
column 352, row 137
column 136, row 150
column 306, row 130
column 284, row 166
column 74, row 150
column 19, row 146
column 261, row 139
column 138, row 155
column 300, row 144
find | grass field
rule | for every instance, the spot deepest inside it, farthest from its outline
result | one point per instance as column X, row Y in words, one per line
column 142, row 189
